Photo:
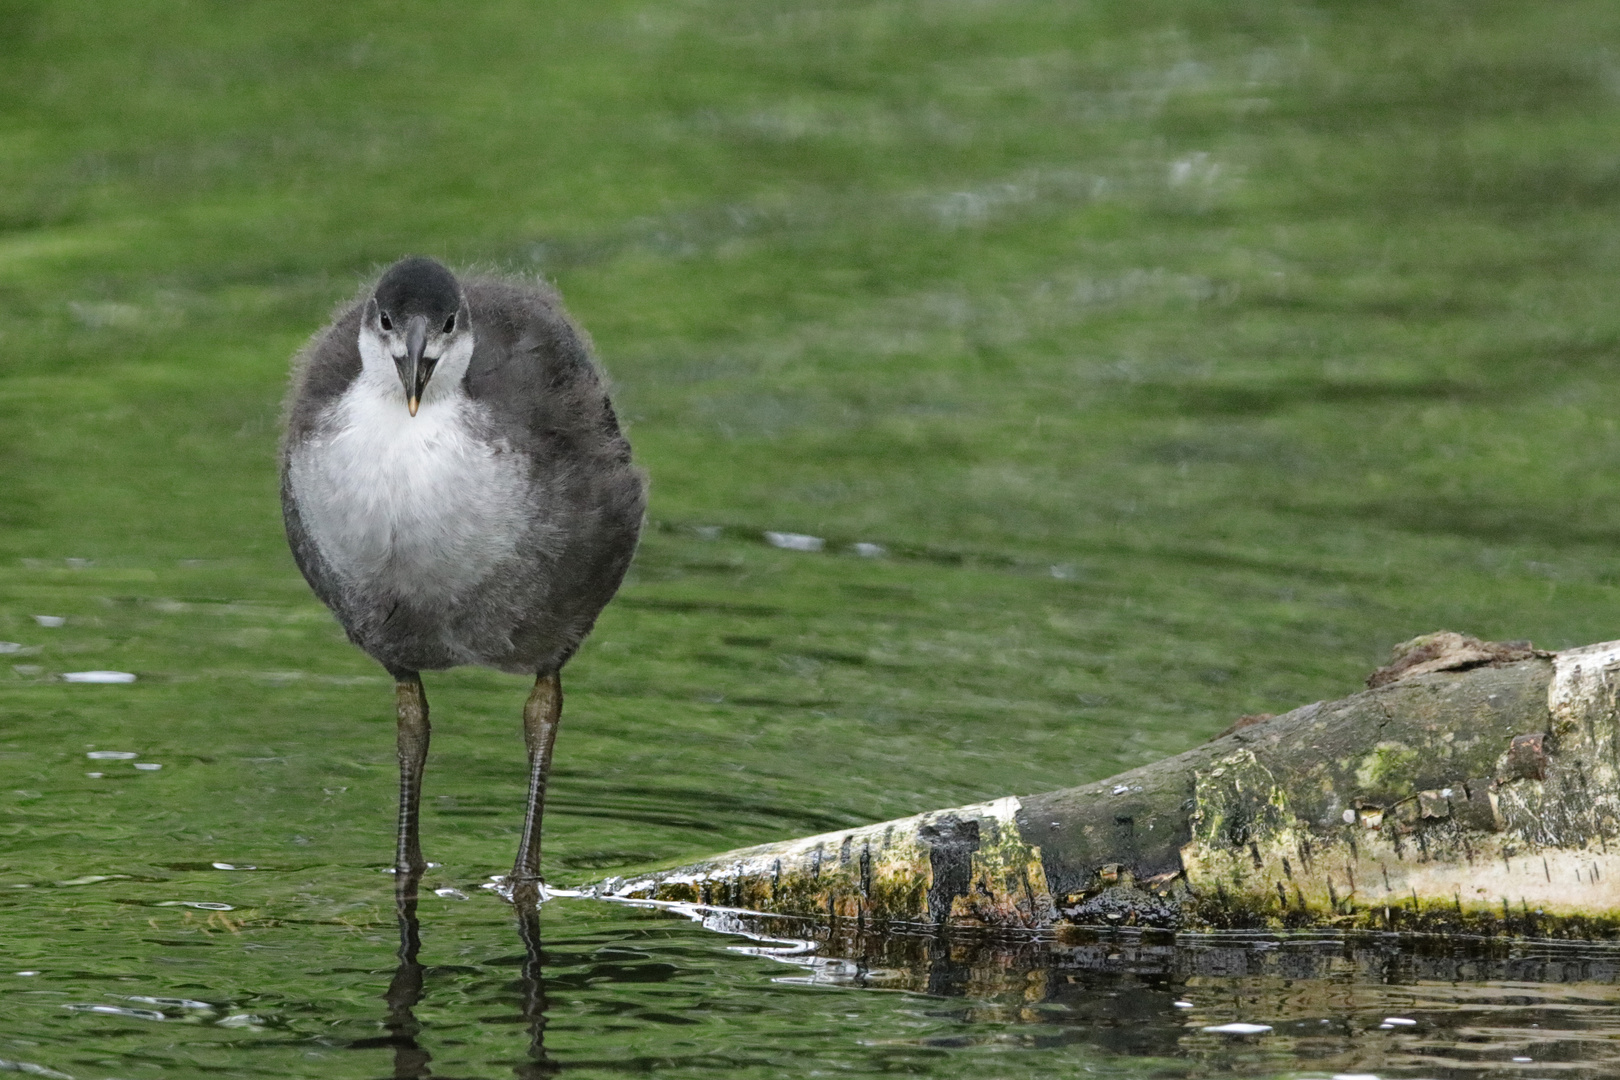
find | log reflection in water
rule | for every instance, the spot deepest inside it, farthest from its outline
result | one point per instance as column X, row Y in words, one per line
column 1462, row 1003
column 990, row 965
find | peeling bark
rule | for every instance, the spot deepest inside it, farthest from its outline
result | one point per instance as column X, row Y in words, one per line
column 1475, row 788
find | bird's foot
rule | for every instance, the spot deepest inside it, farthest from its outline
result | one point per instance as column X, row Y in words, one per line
column 521, row 891
column 412, row 870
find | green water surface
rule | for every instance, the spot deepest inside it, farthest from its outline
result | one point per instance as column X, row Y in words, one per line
column 1170, row 360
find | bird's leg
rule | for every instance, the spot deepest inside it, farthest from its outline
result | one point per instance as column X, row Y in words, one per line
column 411, row 704
column 541, row 714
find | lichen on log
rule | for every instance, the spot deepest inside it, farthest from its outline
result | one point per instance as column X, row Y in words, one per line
column 1475, row 787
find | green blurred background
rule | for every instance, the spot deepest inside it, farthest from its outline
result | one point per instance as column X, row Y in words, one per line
column 1181, row 356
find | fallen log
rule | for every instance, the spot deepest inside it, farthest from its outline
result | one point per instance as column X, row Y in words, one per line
column 1474, row 788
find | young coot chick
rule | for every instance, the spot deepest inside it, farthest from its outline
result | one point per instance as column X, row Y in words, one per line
column 457, row 490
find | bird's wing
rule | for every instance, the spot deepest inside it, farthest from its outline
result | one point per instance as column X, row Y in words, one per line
column 322, row 371
column 532, row 370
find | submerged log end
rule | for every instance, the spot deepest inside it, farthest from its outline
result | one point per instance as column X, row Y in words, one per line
column 966, row 866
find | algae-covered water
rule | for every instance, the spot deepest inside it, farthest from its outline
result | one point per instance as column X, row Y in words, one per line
column 1137, row 365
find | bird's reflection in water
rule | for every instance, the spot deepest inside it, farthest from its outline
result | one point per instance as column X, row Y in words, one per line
column 411, row 1058
column 526, row 902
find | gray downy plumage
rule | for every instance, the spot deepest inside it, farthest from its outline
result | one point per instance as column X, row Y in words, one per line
column 492, row 527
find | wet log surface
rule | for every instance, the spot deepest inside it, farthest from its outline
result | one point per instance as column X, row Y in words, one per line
column 1470, row 790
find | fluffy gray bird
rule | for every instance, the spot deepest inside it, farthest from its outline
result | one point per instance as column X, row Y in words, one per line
column 457, row 490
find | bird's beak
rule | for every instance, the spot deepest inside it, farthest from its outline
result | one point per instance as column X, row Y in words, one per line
column 416, row 372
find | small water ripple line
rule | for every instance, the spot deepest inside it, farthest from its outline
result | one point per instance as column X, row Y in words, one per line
column 794, row 541
column 190, row 1012
column 32, row 1069
column 172, row 1002
column 803, row 953
column 244, row 1021
column 117, row 1010
column 89, row 879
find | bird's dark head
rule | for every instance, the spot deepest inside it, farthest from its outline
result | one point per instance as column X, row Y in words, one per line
column 416, row 319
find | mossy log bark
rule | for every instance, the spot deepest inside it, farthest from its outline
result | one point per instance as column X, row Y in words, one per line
column 1480, row 800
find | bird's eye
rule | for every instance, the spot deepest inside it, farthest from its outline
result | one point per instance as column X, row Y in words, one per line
column 387, row 323
column 450, row 325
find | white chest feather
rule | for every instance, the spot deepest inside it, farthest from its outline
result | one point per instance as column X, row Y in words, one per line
column 418, row 505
